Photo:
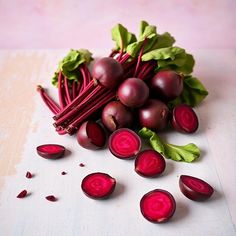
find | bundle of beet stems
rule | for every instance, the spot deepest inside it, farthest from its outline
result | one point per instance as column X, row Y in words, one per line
column 81, row 95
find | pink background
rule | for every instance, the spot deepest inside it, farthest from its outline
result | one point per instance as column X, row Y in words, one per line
column 75, row 24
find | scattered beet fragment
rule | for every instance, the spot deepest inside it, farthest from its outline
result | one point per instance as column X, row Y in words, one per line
column 91, row 135
column 51, row 198
column 63, row 173
column 82, row 165
column 28, row 175
column 184, row 119
column 51, row 151
column 98, row 185
column 157, row 206
column 22, row 194
column 149, row 163
column 194, row 188
column 124, row 143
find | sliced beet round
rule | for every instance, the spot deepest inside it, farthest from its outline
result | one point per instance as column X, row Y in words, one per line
column 91, row 135
column 157, row 206
column 194, row 188
column 98, row 185
column 51, row 151
column 124, row 143
column 149, row 163
column 184, row 119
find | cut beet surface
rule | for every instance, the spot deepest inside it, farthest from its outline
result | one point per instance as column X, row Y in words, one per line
column 91, row 136
column 149, row 163
column 194, row 188
column 98, row 185
column 124, row 143
column 157, row 206
column 184, row 119
column 51, row 151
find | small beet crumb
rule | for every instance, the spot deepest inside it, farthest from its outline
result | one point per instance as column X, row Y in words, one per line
column 51, row 198
column 22, row 194
column 63, row 173
column 82, row 165
column 28, row 175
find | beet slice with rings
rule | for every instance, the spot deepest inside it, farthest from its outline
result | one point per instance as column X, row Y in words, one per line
column 124, row 143
column 91, row 135
column 194, row 188
column 184, row 119
column 98, row 185
column 157, row 206
column 149, row 163
column 51, row 151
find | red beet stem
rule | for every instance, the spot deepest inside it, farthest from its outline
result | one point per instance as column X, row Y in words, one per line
column 146, row 69
column 121, row 51
column 140, row 57
column 22, row 194
column 67, row 92
column 113, row 53
column 125, row 58
column 76, row 101
column 98, row 90
column 74, row 88
column 60, row 90
column 48, row 100
column 88, row 75
column 93, row 107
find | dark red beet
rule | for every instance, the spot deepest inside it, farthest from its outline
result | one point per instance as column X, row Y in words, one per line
column 51, row 151
column 167, row 85
column 157, row 206
column 154, row 115
column 184, row 119
column 108, row 72
column 91, row 135
column 115, row 116
column 133, row 92
column 63, row 173
column 98, row 185
column 194, row 188
column 22, row 194
column 51, row 198
column 149, row 163
column 124, row 143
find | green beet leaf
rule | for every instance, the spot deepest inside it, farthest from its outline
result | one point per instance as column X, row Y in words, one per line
column 122, row 37
column 187, row 153
column 193, row 92
column 69, row 64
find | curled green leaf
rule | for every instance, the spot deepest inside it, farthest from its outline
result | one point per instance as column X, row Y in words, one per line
column 69, row 64
column 193, row 92
column 187, row 153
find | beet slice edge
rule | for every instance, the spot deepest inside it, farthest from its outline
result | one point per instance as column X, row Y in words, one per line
column 194, row 188
column 98, row 185
column 149, row 163
column 184, row 119
column 51, row 151
column 157, row 206
column 124, row 143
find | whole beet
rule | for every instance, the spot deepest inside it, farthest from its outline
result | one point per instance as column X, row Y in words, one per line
column 115, row 115
column 154, row 115
column 166, row 85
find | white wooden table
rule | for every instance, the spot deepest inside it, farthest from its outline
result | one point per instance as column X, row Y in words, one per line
column 26, row 123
